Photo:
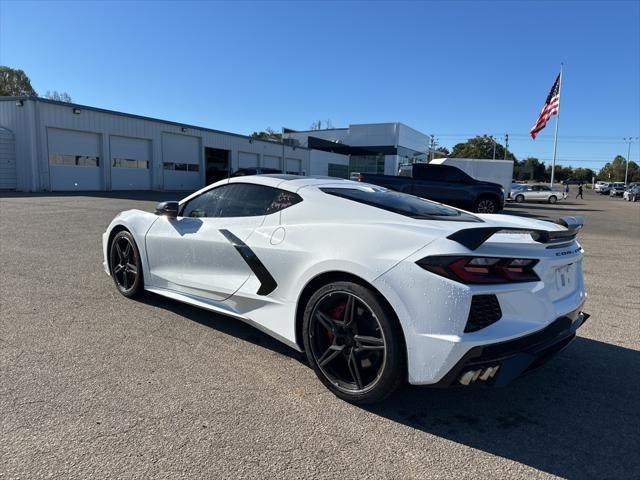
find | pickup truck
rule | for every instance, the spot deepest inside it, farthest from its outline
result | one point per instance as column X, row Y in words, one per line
column 444, row 184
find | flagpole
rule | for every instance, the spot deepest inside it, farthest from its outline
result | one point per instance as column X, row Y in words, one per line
column 555, row 138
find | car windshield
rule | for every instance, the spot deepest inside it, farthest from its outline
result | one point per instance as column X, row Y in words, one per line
column 400, row 203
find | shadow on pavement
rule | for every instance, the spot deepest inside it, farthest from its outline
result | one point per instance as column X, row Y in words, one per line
column 221, row 323
column 576, row 417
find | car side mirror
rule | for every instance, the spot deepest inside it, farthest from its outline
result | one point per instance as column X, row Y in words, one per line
column 168, row 209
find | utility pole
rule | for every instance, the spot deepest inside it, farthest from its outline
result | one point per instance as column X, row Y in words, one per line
column 506, row 145
column 494, row 146
column 629, row 141
column 432, row 147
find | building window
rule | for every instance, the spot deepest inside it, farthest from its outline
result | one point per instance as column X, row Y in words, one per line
column 74, row 160
column 130, row 163
column 367, row 163
column 182, row 167
column 338, row 171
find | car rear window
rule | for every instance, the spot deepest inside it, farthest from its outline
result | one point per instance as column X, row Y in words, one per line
column 401, row 203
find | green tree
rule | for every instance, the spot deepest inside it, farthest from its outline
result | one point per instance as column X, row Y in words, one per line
column 528, row 169
column 15, row 83
column 268, row 134
column 480, row 147
column 614, row 171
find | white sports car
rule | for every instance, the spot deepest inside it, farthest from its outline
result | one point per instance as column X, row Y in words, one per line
column 375, row 286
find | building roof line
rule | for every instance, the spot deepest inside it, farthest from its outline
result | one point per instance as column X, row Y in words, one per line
column 142, row 117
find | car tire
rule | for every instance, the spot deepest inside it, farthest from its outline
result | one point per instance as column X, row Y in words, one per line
column 552, row 199
column 125, row 265
column 486, row 205
column 354, row 343
column 519, row 198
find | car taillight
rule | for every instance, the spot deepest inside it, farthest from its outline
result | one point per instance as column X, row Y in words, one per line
column 359, row 178
column 481, row 270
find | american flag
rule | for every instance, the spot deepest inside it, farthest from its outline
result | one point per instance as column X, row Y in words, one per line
column 550, row 108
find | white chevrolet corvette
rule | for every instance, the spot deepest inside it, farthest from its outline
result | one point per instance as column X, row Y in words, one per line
column 375, row 286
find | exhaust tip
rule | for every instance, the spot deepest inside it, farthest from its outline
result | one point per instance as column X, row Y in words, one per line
column 482, row 374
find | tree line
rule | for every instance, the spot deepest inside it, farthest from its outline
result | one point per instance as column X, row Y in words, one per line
column 532, row 168
column 15, row 83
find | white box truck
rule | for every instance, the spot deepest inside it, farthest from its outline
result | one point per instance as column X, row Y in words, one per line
column 496, row 171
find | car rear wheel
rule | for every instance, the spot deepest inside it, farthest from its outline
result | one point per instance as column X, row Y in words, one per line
column 353, row 343
column 520, row 198
column 553, row 199
column 124, row 264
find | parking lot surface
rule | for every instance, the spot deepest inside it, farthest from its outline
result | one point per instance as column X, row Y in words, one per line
column 93, row 385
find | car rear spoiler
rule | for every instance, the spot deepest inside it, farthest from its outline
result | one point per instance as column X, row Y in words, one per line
column 472, row 238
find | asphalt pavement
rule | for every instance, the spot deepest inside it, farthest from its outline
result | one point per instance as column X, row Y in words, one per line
column 93, row 385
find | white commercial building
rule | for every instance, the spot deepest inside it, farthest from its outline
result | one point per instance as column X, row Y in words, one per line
column 48, row 145
column 373, row 147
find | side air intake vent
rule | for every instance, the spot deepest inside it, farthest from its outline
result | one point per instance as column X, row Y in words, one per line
column 485, row 310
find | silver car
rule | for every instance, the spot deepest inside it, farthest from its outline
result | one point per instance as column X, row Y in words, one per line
column 537, row 193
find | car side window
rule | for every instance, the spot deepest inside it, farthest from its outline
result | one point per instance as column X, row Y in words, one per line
column 239, row 200
column 204, row 205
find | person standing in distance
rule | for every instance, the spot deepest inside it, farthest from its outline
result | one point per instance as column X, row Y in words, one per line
column 580, row 192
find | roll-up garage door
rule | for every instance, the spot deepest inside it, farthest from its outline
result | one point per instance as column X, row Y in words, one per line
column 74, row 160
column 247, row 160
column 130, row 163
column 7, row 160
column 181, row 162
column 294, row 166
column 271, row 161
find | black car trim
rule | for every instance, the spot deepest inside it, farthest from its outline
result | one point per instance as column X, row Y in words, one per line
column 472, row 238
column 521, row 355
column 267, row 282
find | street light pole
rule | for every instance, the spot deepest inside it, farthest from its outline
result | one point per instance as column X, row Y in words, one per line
column 494, row 146
column 629, row 141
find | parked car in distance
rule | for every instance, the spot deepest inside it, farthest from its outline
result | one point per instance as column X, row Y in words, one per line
column 617, row 189
column 444, row 184
column 537, row 193
column 254, row 171
column 632, row 194
column 515, row 188
column 599, row 186
column 604, row 188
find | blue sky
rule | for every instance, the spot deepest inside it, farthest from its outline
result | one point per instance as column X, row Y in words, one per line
column 453, row 69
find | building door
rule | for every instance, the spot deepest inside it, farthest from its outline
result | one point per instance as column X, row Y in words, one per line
column 74, row 160
column 181, row 162
column 8, row 176
column 247, row 160
column 130, row 163
column 216, row 163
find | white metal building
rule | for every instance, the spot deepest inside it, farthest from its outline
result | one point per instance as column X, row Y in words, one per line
column 372, row 147
column 47, row 145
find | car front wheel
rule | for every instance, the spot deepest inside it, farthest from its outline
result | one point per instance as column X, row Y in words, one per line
column 353, row 343
column 553, row 199
column 519, row 198
column 125, row 265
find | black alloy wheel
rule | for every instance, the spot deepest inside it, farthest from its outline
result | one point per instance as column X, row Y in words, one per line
column 124, row 264
column 486, row 205
column 519, row 198
column 352, row 343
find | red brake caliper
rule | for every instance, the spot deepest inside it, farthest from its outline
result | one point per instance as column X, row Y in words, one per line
column 337, row 313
